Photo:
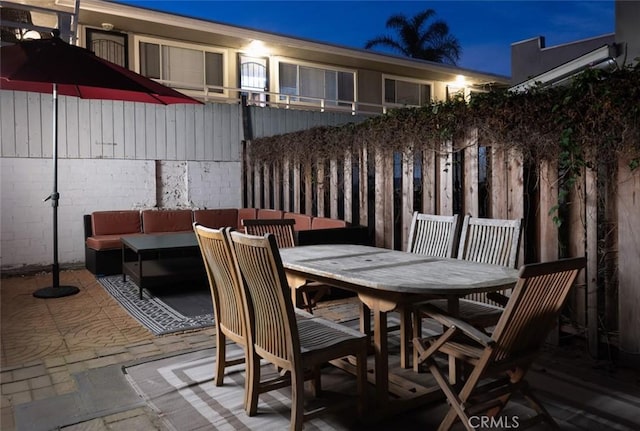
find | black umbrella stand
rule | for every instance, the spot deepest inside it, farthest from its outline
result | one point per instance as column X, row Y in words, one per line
column 55, row 290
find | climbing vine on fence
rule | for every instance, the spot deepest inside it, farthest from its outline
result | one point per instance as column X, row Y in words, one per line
column 596, row 116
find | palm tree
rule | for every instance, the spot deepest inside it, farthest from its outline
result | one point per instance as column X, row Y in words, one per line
column 433, row 43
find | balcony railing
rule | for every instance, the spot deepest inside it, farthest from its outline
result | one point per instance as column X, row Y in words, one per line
column 21, row 21
column 222, row 94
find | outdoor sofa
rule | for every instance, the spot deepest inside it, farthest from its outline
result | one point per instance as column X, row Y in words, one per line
column 103, row 229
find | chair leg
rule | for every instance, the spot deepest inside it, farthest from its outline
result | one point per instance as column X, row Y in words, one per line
column 316, row 381
column 307, row 301
column 361, row 377
column 405, row 337
column 538, row 407
column 252, row 384
column 297, row 401
column 221, row 352
column 417, row 333
column 456, row 411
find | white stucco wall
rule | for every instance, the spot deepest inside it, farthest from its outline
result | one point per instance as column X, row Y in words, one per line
column 87, row 185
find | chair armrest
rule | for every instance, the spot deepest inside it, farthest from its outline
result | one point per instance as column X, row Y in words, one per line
column 450, row 322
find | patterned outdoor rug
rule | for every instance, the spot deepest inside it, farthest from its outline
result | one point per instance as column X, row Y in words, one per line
column 181, row 389
column 163, row 310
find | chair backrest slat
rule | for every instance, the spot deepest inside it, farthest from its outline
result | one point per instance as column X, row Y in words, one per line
column 273, row 329
column 433, row 235
column 495, row 241
column 225, row 287
column 534, row 307
column 282, row 229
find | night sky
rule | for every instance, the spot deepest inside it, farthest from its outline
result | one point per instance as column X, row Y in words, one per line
column 485, row 29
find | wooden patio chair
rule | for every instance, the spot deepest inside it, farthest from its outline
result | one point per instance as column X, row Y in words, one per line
column 282, row 229
column 500, row 362
column 311, row 292
column 294, row 346
column 431, row 235
column 226, row 294
column 494, row 241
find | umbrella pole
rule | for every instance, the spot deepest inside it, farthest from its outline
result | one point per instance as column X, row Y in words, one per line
column 55, row 290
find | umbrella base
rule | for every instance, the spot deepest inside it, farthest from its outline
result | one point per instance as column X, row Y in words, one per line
column 56, row 292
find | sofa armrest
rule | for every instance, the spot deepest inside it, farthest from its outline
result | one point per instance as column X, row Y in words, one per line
column 88, row 230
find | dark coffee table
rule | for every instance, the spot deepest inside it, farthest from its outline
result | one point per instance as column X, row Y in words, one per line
column 161, row 258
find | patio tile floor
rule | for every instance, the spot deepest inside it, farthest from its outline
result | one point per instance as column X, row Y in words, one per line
column 44, row 341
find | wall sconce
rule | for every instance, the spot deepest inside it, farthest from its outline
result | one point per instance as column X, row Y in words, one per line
column 31, row 34
column 257, row 48
column 457, row 87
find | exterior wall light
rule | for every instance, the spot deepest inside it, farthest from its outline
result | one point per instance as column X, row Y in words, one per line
column 257, row 48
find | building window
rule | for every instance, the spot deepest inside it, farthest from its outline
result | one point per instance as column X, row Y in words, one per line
column 183, row 67
column 111, row 46
column 403, row 92
column 315, row 85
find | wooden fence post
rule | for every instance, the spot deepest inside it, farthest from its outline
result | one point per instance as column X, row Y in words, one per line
column 445, row 200
column 407, row 195
column 267, row 186
column 471, row 174
column 308, row 188
column 320, row 187
column 515, row 193
column 429, row 183
column 498, row 190
column 364, row 187
column 628, row 203
column 576, row 226
column 297, row 188
column 547, row 229
column 383, row 199
column 333, row 188
column 348, row 187
column 286, row 185
column 591, row 272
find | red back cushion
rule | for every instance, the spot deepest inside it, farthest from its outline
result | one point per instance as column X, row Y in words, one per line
column 115, row 222
column 246, row 214
column 217, row 218
column 270, row 214
column 155, row 221
column 327, row 223
column 303, row 221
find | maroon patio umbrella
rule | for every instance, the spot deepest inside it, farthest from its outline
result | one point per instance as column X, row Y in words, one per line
column 53, row 66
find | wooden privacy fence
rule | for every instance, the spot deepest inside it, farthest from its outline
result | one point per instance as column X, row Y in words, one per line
column 598, row 217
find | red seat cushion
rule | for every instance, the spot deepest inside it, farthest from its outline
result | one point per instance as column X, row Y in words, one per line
column 106, row 242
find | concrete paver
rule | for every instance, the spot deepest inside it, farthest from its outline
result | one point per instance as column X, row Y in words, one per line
column 45, row 341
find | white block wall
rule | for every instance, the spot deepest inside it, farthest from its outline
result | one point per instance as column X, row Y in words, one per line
column 214, row 184
column 87, row 185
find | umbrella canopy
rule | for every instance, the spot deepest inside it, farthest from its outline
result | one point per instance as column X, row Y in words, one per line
column 53, row 66
column 35, row 65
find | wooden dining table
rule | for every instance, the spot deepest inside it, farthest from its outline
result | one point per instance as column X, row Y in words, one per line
column 390, row 280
